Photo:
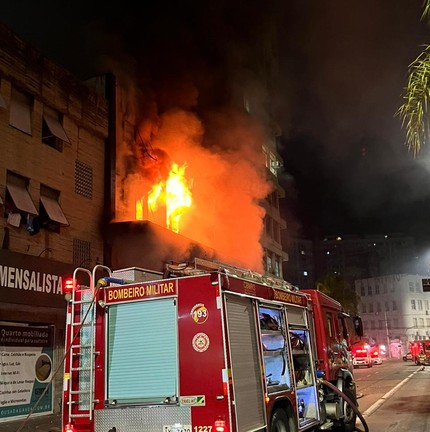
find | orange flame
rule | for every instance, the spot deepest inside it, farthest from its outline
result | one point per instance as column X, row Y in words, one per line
column 174, row 195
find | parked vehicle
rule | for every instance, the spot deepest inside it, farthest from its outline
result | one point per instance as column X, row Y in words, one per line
column 408, row 357
column 361, row 357
column 376, row 358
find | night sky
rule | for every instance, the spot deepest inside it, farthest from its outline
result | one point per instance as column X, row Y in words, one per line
column 343, row 67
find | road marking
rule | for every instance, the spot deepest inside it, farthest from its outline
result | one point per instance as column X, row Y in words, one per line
column 387, row 395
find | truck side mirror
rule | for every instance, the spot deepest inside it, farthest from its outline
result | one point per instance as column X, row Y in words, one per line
column 358, row 325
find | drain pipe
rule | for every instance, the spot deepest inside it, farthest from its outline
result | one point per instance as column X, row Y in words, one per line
column 350, row 402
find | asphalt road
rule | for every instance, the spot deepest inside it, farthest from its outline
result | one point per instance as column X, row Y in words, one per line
column 394, row 397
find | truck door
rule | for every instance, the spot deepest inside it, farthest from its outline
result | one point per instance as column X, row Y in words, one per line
column 245, row 364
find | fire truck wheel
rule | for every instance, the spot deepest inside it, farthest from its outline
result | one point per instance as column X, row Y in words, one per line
column 279, row 421
column 348, row 422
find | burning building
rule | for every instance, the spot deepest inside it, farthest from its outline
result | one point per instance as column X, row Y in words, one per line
column 187, row 186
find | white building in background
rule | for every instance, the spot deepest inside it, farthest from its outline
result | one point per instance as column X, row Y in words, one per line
column 395, row 310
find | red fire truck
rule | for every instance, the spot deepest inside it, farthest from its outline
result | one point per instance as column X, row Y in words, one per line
column 420, row 351
column 204, row 348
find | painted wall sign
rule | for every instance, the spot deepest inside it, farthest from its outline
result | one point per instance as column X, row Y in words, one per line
column 26, row 367
column 28, row 280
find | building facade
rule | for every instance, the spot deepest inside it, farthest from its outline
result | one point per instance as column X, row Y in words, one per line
column 53, row 132
column 395, row 310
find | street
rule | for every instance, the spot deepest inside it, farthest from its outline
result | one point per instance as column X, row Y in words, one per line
column 393, row 397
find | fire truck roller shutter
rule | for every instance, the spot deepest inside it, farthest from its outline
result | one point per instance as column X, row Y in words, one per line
column 245, row 363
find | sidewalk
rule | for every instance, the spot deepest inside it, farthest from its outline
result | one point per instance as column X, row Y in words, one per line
column 47, row 423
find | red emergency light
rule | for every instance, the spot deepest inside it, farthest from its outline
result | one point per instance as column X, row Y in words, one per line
column 69, row 428
column 219, row 425
column 68, row 287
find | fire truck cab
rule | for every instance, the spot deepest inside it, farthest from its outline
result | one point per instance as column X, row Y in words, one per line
column 203, row 348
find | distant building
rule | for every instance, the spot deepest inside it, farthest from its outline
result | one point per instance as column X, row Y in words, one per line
column 395, row 309
column 354, row 257
column 299, row 270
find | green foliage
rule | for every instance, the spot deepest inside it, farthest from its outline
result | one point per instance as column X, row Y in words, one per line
column 414, row 110
column 339, row 289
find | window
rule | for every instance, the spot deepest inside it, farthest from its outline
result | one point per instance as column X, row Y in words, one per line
column 369, row 290
column 413, row 305
column 411, row 286
column 415, row 322
column 276, row 232
column 371, row 307
column 277, row 269
column 421, row 322
column 372, row 324
column 363, row 290
column 53, row 133
column 417, row 287
column 378, row 307
column 363, row 308
column 394, row 305
column 51, row 214
column 427, row 322
column 21, row 105
column 426, row 304
column 376, row 289
column 387, row 306
column 18, row 203
column 381, row 324
column 268, row 261
column 420, row 305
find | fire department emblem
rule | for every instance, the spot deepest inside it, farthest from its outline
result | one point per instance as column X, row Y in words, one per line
column 201, row 342
column 199, row 313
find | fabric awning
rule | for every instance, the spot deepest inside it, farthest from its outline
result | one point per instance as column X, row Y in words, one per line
column 54, row 125
column 21, row 198
column 54, row 210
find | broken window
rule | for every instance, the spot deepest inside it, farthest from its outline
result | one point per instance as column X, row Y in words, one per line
column 21, row 105
column 53, row 133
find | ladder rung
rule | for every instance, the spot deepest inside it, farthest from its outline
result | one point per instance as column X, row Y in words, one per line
column 82, row 301
column 78, row 392
column 77, row 354
column 83, row 324
column 79, row 415
column 82, row 346
column 75, row 402
column 81, row 369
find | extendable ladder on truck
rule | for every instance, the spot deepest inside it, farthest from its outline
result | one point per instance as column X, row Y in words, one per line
column 82, row 352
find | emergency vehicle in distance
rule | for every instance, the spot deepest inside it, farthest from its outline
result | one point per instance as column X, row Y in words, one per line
column 420, row 351
column 205, row 347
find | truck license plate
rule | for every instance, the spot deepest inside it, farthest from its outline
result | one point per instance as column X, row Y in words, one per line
column 179, row 428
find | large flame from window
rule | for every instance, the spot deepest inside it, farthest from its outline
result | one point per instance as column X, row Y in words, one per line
column 172, row 196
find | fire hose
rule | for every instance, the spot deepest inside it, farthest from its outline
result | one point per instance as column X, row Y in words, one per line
column 350, row 402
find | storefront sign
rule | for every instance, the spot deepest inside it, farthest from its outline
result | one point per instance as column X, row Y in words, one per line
column 26, row 367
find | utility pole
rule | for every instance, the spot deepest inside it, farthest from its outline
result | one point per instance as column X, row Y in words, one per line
column 388, row 336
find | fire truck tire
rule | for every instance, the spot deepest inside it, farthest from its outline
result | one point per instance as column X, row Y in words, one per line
column 350, row 417
column 279, row 421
